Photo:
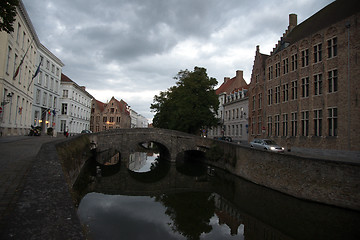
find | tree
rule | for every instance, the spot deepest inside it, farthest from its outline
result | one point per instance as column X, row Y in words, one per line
column 7, row 14
column 188, row 106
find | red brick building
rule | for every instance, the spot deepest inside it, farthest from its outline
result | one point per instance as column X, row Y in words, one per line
column 305, row 94
column 104, row 116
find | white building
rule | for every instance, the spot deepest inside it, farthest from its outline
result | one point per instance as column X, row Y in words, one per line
column 236, row 116
column 75, row 108
column 18, row 51
column 233, row 109
column 137, row 120
column 46, row 108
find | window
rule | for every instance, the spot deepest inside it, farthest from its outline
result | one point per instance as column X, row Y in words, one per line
column 305, row 57
column 37, row 98
column 305, row 87
column 318, row 84
column 47, row 64
column 65, row 93
column 104, row 119
column 277, row 69
column 40, row 78
column 46, row 84
column 332, row 80
column 18, row 33
column 112, row 110
column 270, row 72
column 294, row 124
column 285, row 65
column 317, row 122
column 285, row 92
column 117, row 119
column 8, row 60
column 15, row 60
column 64, row 108
column 259, row 125
column 305, row 123
column 332, row 121
column 277, row 94
column 294, row 91
column 253, row 122
column 52, row 84
column 44, row 99
column 277, row 125
column 285, row 124
column 317, row 53
column 270, row 96
column 294, row 62
column 111, row 119
column 332, row 47
column 269, row 125
column 253, row 102
column 260, row 100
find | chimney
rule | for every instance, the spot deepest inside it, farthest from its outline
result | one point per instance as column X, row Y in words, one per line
column 292, row 21
column 83, row 88
column 226, row 79
column 239, row 74
column 257, row 48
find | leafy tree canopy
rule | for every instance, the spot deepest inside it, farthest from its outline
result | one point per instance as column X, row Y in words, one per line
column 188, row 106
column 7, row 14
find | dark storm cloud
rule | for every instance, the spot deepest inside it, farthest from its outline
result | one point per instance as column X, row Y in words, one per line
column 137, row 46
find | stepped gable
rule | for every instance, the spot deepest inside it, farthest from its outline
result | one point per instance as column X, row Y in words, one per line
column 331, row 14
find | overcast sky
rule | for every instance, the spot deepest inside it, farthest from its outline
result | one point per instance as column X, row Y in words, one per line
column 132, row 49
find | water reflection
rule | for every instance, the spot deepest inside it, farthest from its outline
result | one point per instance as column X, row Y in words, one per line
column 190, row 204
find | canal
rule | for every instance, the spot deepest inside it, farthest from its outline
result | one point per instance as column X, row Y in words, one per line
column 147, row 197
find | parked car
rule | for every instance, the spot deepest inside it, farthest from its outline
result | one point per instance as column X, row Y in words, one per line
column 86, row 131
column 228, row 139
column 266, row 144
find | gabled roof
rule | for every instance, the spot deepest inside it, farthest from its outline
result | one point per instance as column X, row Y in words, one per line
column 229, row 85
column 100, row 105
column 122, row 105
column 65, row 78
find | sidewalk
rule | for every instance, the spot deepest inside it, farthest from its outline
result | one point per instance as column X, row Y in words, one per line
column 17, row 155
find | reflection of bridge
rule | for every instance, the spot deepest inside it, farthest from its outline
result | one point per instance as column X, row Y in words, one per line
column 127, row 140
column 301, row 177
column 164, row 180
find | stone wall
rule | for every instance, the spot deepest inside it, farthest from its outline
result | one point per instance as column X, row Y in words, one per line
column 73, row 154
column 330, row 182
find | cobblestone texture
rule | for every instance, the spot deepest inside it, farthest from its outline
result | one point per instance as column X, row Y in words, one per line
column 35, row 202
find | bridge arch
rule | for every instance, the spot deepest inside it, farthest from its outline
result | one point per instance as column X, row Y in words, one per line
column 171, row 141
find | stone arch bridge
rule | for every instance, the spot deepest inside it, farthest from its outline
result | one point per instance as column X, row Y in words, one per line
column 171, row 141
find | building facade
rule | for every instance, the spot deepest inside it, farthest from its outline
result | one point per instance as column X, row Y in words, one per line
column 105, row 116
column 305, row 93
column 233, row 108
column 236, row 112
column 75, row 110
column 46, row 105
column 18, row 52
column 137, row 120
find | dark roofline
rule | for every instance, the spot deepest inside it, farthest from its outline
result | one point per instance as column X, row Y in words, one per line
column 327, row 16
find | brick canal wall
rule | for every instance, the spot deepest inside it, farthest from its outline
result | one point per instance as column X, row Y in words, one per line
column 330, row 182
